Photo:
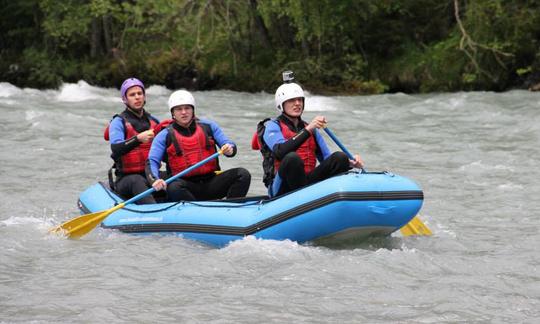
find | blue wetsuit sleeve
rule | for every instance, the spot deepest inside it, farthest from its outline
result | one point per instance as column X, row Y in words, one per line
column 219, row 135
column 272, row 134
column 116, row 131
column 323, row 152
column 157, row 150
column 119, row 145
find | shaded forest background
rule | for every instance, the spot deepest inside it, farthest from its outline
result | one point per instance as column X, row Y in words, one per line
column 334, row 46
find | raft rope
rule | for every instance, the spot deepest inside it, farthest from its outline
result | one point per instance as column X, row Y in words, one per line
column 116, row 202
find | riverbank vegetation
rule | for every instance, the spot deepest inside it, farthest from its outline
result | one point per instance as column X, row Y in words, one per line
column 334, row 46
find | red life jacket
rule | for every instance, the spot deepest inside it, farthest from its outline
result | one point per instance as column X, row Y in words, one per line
column 306, row 151
column 255, row 145
column 133, row 161
column 184, row 151
column 162, row 125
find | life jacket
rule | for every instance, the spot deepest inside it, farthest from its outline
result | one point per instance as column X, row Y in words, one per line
column 185, row 151
column 162, row 125
column 306, row 151
column 270, row 164
column 133, row 161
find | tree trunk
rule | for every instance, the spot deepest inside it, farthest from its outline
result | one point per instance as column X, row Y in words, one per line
column 107, row 33
column 94, row 40
column 259, row 24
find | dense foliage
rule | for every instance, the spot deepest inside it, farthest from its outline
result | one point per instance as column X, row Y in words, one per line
column 334, row 46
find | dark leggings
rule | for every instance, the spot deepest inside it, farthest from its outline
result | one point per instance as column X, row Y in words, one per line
column 292, row 174
column 130, row 185
column 233, row 183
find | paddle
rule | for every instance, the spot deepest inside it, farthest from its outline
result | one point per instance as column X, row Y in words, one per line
column 415, row 226
column 81, row 225
column 341, row 146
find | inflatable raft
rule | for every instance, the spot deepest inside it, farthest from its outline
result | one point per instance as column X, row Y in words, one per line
column 349, row 206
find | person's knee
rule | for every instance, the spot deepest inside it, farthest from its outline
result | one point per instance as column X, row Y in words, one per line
column 132, row 183
column 341, row 157
column 177, row 191
column 341, row 160
column 292, row 161
column 243, row 174
column 177, row 185
column 140, row 181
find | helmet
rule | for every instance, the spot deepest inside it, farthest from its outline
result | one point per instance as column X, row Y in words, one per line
column 130, row 83
column 181, row 97
column 288, row 91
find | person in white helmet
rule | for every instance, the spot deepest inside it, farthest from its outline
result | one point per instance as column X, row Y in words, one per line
column 186, row 141
column 291, row 147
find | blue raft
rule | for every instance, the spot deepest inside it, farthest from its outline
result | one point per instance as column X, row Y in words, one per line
column 349, row 206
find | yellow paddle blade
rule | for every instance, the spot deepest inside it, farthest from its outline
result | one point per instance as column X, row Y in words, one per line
column 81, row 225
column 415, row 227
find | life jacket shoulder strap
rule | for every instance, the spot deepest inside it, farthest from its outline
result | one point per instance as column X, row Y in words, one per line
column 171, row 138
column 207, row 130
column 261, row 128
column 150, row 117
column 124, row 117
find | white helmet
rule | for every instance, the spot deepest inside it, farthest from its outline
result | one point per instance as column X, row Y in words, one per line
column 288, row 91
column 181, row 97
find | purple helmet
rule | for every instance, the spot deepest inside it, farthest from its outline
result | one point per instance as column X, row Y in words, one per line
column 129, row 83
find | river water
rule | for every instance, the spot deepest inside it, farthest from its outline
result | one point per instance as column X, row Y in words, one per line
column 474, row 154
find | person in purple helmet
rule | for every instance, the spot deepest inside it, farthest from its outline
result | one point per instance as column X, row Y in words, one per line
column 131, row 133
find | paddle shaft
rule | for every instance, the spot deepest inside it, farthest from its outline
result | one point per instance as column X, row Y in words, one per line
column 341, row 146
column 338, row 142
column 176, row 176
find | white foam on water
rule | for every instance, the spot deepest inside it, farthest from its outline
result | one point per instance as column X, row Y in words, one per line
column 9, row 102
column 318, row 103
column 510, row 186
column 360, row 112
column 42, row 224
column 32, row 114
column 9, row 90
column 435, row 105
column 157, row 90
column 250, row 245
column 479, row 165
column 456, row 102
column 82, row 91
